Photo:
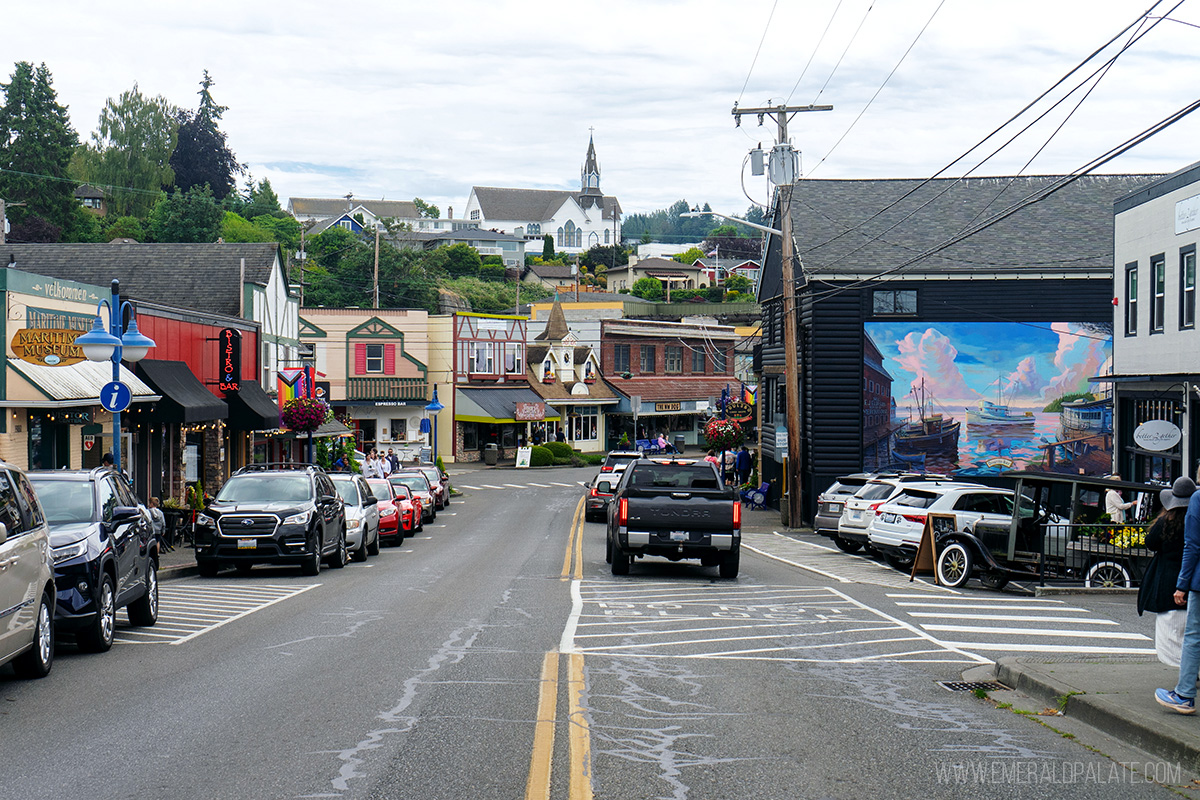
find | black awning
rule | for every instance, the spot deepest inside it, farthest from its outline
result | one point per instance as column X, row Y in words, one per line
column 184, row 398
column 251, row 409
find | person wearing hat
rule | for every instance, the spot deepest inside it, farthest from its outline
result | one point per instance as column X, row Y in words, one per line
column 1115, row 505
column 1187, row 591
column 1157, row 590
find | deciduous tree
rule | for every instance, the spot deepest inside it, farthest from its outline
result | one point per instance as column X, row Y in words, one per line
column 187, row 217
column 426, row 209
column 648, row 289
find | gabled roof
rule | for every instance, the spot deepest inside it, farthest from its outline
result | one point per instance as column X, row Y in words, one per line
column 206, row 275
column 86, row 191
column 532, row 205
column 552, row 271
column 321, row 207
column 556, row 325
column 851, row 227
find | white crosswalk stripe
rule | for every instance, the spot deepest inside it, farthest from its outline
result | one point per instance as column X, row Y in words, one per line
column 834, row 564
column 188, row 610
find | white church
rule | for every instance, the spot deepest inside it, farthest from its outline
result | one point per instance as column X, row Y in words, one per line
column 578, row 221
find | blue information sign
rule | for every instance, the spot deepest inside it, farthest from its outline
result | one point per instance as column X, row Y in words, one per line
column 115, row 397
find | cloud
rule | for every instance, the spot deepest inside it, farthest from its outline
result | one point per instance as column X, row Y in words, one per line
column 1078, row 358
column 1024, row 385
column 930, row 357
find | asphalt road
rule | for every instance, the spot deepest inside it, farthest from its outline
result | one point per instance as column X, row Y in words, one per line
column 495, row 656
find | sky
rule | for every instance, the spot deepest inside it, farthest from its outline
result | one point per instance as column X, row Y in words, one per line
column 397, row 99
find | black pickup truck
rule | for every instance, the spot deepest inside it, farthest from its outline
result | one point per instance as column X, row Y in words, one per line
column 674, row 508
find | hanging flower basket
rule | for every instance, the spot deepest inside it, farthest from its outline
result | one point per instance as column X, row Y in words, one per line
column 304, row 414
column 723, row 434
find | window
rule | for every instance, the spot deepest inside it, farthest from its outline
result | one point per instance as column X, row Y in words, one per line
column 674, row 358
column 573, row 235
column 534, row 229
column 1187, row 288
column 347, row 224
column 374, row 358
column 475, row 214
column 470, row 434
column 514, row 360
column 559, row 241
column 648, row 358
column 584, row 424
column 1158, row 304
column 718, row 359
column 10, row 512
column 399, row 429
column 698, row 362
column 483, row 360
column 606, row 235
column 621, row 358
column 894, row 301
column 1131, row 298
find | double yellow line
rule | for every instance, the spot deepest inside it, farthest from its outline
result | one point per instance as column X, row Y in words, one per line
column 538, row 785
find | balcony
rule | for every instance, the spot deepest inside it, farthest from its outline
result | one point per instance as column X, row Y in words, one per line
column 386, row 388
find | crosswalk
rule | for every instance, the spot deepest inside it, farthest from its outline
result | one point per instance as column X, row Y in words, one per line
column 831, row 563
column 189, row 610
column 530, row 485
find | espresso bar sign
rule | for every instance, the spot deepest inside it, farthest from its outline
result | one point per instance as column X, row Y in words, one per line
column 47, row 346
column 230, row 359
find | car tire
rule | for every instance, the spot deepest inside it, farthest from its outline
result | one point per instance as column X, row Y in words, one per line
column 207, row 569
column 97, row 637
column 37, row 660
column 373, row 547
column 994, row 580
column 728, row 568
column 1108, row 575
column 143, row 612
column 954, row 565
column 340, row 554
column 360, row 555
column 608, row 549
column 312, row 564
column 847, row 546
column 620, row 560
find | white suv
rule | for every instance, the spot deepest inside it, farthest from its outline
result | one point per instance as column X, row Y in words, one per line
column 896, row 528
column 860, row 507
column 27, row 594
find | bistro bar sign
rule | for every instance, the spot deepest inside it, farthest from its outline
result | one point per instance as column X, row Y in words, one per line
column 231, row 360
column 47, row 346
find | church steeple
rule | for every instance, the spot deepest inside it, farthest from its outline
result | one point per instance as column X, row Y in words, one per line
column 590, row 176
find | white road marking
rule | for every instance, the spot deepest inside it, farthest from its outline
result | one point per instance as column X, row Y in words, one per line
column 1013, row 618
column 1038, row 632
column 192, row 609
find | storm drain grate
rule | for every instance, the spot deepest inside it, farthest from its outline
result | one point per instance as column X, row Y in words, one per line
column 971, row 686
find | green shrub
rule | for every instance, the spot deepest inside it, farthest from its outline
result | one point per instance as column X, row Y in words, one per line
column 540, row 456
column 560, row 449
column 592, row 459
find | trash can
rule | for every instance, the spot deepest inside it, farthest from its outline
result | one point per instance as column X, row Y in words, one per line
column 678, row 442
column 491, row 454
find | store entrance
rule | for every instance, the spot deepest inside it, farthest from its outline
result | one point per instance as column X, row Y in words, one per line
column 49, row 443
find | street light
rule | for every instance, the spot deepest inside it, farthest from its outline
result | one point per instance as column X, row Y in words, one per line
column 432, row 409
column 116, row 344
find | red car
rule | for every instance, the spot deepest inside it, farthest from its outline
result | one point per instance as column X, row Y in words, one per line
column 389, row 511
column 410, row 507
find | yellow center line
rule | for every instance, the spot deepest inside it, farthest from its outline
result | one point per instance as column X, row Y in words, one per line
column 581, row 743
column 576, row 533
column 538, row 785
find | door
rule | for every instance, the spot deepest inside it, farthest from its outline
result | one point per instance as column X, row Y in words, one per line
column 122, row 535
column 370, row 512
column 22, row 560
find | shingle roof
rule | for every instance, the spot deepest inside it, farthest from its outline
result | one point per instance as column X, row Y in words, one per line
column 551, row 270
column 205, row 275
column 556, row 326
column 847, row 226
column 532, row 205
column 319, row 207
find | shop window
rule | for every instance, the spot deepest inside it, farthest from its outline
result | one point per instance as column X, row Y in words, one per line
column 399, row 429
column 470, row 434
column 674, row 359
column 584, row 424
column 620, row 358
column 647, row 358
column 1131, row 298
column 1187, row 288
column 1158, row 288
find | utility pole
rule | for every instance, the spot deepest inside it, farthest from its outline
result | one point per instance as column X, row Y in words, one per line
column 4, row 218
column 783, row 173
column 376, row 305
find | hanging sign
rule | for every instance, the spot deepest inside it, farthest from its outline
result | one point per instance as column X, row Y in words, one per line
column 739, row 410
column 230, row 359
column 529, row 411
column 1157, row 435
column 47, row 346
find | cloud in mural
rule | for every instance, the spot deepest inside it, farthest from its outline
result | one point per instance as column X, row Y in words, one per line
column 931, row 355
column 1024, row 384
column 1078, row 358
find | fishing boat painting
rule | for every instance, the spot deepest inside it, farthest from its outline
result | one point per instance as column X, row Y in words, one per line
column 981, row 398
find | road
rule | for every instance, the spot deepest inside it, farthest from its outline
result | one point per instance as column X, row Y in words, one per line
column 495, row 656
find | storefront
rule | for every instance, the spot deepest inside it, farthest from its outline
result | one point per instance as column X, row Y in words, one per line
column 500, row 417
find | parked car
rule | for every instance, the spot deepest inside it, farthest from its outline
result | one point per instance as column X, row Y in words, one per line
column 418, row 484
column 273, row 513
column 105, row 553
column 27, row 591
column 391, row 527
column 860, row 507
column 599, row 493
column 896, row 529
column 440, row 482
column 412, row 510
column 618, row 460
column 831, row 502
column 362, row 515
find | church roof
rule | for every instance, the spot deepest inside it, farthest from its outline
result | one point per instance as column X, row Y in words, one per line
column 532, row 205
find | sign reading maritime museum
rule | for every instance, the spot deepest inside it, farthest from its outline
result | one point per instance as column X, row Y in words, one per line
column 52, row 347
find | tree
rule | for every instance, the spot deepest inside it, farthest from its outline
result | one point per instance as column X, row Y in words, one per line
column 730, row 243
column 201, row 153
column 125, row 228
column 547, row 248
column 36, row 143
column 463, row 260
column 187, row 217
column 738, row 283
column 648, row 289
column 689, row 256
column 261, row 201
column 130, row 151
column 427, row 209
column 237, row 229
column 36, row 230
column 605, row 255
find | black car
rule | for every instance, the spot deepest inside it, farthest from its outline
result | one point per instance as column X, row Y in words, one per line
column 273, row 514
column 105, row 553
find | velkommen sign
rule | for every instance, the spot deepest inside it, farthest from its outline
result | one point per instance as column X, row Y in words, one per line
column 47, row 346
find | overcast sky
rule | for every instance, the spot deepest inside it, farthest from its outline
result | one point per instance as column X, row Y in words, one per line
column 401, row 99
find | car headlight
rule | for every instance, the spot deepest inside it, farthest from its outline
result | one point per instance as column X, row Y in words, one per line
column 204, row 519
column 351, row 524
column 69, row 551
column 298, row 519
column 387, row 512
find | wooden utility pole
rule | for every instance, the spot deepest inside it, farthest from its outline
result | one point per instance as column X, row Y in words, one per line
column 3, row 216
column 783, row 173
column 376, row 303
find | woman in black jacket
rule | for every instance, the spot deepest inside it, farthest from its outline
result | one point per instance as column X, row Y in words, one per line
column 1157, row 591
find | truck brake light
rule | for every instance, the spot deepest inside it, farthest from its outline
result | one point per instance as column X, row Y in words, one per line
column 737, row 515
column 623, row 511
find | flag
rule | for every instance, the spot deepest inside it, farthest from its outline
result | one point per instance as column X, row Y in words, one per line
column 713, row 254
column 748, row 394
column 293, row 383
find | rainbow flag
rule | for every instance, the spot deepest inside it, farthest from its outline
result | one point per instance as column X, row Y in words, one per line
column 293, row 383
column 749, row 395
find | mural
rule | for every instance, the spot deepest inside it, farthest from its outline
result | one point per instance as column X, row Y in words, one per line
column 981, row 398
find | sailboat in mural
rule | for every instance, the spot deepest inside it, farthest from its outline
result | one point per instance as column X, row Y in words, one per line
column 986, row 412
column 931, row 432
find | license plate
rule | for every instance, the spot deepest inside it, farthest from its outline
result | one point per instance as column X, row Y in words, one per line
column 854, row 515
column 679, row 536
column 247, row 544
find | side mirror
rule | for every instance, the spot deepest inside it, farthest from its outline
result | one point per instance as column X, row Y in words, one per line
column 3, row 533
column 125, row 513
column 371, row 500
column 604, row 487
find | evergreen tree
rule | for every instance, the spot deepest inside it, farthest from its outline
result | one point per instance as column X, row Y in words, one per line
column 547, row 248
column 36, row 144
column 201, row 154
column 187, row 217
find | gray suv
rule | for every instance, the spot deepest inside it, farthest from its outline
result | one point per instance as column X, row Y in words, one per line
column 27, row 579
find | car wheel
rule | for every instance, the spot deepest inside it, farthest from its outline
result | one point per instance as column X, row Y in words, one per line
column 207, row 569
column 847, row 546
column 994, row 580
column 143, row 612
column 373, row 547
column 728, row 568
column 98, row 636
column 954, row 565
column 36, row 661
column 1107, row 575
column 901, row 563
column 620, row 560
column 312, row 564
column 340, row 554
column 608, row 549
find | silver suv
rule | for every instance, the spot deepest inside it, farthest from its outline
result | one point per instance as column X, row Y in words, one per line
column 27, row 593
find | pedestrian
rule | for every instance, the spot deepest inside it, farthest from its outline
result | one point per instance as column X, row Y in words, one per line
column 1156, row 593
column 1187, row 591
column 728, row 458
column 371, row 466
column 106, row 460
column 559, row 436
column 661, row 441
column 158, row 523
column 712, row 458
column 743, row 464
column 1115, row 505
column 393, row 459
column 385, row 466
